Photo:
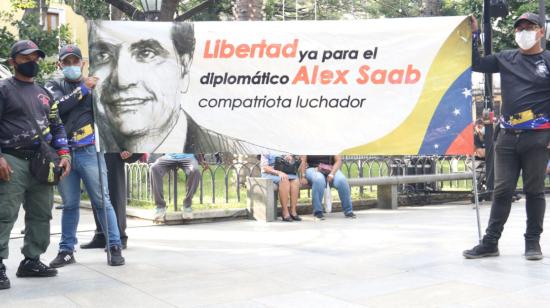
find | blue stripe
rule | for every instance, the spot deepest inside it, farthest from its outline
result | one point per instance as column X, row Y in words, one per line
column 445, row 125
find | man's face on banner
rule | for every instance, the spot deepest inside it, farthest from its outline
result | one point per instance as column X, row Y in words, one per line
column 141, row 79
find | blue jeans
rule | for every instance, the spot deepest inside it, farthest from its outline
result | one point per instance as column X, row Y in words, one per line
column 84, row 167
column 276, row 179
column 318, row 185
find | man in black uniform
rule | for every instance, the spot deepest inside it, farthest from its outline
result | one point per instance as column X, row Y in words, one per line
column 524, row 133
column 18, row 144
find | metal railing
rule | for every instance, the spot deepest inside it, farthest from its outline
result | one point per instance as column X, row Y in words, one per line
column 225, row 182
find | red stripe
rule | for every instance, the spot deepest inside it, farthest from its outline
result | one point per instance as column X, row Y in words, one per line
column 463, row 143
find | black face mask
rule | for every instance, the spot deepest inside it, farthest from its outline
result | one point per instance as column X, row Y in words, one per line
column 28, row 69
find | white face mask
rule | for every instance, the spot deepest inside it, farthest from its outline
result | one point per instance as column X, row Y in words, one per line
column 526, row 39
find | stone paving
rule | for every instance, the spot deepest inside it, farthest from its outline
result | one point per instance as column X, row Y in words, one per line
column 410, row 257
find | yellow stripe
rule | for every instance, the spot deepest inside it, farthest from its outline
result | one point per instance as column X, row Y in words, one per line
column 53, row 112
column 451, row 61
column 83, row 132
column 523, row 117
column 45, row 132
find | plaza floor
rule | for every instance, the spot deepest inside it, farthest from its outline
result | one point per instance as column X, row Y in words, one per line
column 409, row 257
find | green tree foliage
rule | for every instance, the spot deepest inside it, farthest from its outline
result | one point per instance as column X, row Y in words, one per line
column 6, row 38
column 30, row 28
column 503, row 28
column 503, row 34
column 221, row 11
column 99, row 9
column 393, row 8
column 23, row 4
column 49, row 41
column 90, row 9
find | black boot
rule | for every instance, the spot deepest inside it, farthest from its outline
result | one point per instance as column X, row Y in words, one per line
column 34, row 268
column 4, row 281
column 116, row 256
column 98, row 241
column 532, row 250
column 124, row 241
column 485, row 249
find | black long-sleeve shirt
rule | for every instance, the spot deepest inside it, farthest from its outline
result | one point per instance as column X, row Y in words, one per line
column 16, row 130
column 525, row 79
column 75, row 109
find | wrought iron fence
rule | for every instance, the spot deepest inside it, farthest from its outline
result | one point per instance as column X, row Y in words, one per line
column 224, row 180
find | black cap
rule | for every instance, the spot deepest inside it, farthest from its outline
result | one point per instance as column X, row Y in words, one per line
column 69, row 50
column 25, row 47
column 530, row 17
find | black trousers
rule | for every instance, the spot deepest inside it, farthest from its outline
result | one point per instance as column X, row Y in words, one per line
column 116, row 178
column 526, row 152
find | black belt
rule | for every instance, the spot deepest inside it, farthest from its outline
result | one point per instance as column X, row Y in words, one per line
column 511, row 131
column 24, row 154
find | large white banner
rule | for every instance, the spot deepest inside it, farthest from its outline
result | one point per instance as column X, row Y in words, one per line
column 386, row 86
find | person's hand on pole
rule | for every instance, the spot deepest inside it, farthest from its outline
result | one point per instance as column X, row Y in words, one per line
column 5, row 170
column 65, row 164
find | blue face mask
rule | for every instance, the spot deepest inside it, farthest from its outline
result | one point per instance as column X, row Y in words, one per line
column 72, row 72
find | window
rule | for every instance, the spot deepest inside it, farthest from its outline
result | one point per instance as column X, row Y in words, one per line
column 52, row 21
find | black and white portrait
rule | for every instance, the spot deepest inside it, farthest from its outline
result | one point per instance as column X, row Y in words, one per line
column 143, row 70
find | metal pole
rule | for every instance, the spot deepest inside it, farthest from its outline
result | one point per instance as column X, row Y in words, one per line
column 488, row 97
column 315, row 9
column 542, row 18
column 102, row 185
column 176, row 190
column 487, row 43
column 476, row 197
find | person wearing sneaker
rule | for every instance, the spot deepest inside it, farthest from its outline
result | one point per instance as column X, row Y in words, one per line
column 172, row 161
column 74, row 92
column 316, row 171
column 523, row 136
column 282, row 170
column 19, row 144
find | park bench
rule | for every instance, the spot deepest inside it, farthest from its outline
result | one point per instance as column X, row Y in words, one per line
column 262, row 193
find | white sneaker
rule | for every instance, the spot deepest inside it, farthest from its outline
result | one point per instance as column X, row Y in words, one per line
column 160, row 213
column 187, row 213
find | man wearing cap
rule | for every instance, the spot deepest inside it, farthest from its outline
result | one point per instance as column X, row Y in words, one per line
column 18, row 144
column 523, row 134
column 73, row 92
